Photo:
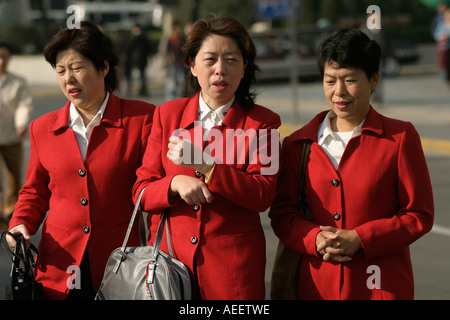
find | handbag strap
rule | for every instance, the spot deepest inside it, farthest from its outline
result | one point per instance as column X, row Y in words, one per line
column 302, row 193
column 159, row 232
column 20, row 254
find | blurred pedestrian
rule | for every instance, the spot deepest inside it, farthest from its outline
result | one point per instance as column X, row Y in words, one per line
column 213, row 204
column 138, row 53
column 123, row 72
column 437, row 21
column 367, row 185
column 389, row 65
column 171, row 50
column 442, row 35
column 16, row 106
column 82, row 167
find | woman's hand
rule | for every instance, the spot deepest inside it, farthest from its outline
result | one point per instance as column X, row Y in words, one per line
column 190, row 189
column 18, row 230
column 327, row 247
column 186, row 153
column 337, row 244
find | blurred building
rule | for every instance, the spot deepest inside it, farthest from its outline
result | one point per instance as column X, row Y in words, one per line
column 119, row 14
column 113, row 14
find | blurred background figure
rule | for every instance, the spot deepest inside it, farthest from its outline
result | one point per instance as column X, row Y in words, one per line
column 15, row 111
column 389, row 65
column 442, row 36
column 171, row 50
column 437, row 21
column 137, row 57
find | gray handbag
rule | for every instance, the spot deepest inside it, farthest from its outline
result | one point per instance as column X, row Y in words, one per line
column 145, row 272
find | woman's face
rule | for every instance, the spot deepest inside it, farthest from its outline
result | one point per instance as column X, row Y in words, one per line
column 219, row 68
column 348, row 92
column 80, row 81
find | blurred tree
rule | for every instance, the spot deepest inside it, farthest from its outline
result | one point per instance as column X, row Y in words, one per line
column 243, row 10
column 328, row 9
column 312, row 10
column 354, row 8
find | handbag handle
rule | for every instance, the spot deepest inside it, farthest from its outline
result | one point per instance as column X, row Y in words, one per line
column 156, row 245
column 20, row 253
column 159, row 232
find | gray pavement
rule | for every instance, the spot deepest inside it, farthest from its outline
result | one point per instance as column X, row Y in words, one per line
column 417, row 95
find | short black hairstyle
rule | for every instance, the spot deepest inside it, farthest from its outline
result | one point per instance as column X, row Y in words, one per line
column 350, row 48
column 89, row 41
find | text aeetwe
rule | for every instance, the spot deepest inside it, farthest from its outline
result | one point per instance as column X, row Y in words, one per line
column 233, row 309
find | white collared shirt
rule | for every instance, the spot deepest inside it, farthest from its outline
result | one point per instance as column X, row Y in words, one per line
column 16, row 107
column 211, row 118
column 82, row 132
column 332, row 142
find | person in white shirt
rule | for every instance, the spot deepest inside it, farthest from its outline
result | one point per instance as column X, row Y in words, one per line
column 15, row 111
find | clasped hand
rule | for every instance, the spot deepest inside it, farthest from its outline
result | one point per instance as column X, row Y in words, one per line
column 191, row 190
column 337, row 244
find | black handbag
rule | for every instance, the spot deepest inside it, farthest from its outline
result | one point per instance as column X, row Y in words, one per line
column 145, row 272
column 22, row 285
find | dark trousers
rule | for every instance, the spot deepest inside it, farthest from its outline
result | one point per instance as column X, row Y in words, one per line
column 12, row 156
column 86, row 291
column 447, row 64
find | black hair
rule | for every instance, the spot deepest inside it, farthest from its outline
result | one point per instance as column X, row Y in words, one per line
column 350, row 48
column 89, row 41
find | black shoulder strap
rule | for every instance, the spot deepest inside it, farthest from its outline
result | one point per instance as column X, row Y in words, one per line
column 303, row 162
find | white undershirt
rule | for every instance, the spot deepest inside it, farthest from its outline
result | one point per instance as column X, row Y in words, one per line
column 82, row 132
column 332, row 142
column 209, row 117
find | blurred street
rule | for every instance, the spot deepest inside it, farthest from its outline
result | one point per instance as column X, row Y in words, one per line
column 418, row 95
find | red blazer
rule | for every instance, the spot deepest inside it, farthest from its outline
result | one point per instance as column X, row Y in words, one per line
column 381, row 189
column 57, row 180
column 223, row 242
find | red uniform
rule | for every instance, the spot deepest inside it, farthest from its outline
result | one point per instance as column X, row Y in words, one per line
column 381, row 189
column 222, row 242
column 89, row 203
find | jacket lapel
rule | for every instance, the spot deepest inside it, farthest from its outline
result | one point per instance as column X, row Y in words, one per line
column 112, row 115
column 113, row 112
column 190, row 113
column 373, row 123
column 235, row 117
column 61, row 119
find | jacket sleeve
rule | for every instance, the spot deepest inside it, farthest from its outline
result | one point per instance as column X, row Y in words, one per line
column 146, row 130
column 33, row 202
column 288, row 222
column 151, row 175
column 415, row 214
column 252, row 188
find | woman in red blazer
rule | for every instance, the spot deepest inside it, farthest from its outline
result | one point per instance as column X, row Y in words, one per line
column 81, row 171
column 213, row 204
column 367, row 185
